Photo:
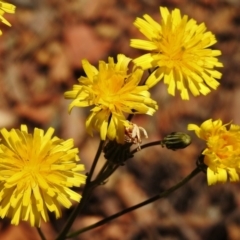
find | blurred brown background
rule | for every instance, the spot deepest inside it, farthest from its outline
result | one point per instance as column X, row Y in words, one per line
column 41, row 58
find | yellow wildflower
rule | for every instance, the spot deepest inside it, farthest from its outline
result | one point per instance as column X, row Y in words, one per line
column 8, row 8
column 179, row 53
column 222, row 153
column 113, row 92
column 36, row 174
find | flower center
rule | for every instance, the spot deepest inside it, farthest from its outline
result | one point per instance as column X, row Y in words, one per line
column 107, row 89
column 173, row 49
column 30, row 170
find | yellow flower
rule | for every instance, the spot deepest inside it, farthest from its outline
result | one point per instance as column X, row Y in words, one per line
column 179, row 50
column 113, row 92
column 222, row 153
column 8, row 8
column 36, row 174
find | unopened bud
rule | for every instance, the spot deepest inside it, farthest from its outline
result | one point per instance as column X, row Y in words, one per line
column 176, row 140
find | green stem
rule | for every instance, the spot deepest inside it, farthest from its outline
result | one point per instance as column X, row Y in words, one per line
column 104, row 167
column 41, row 233
column 85, row 195
column 127, row 210
column 98, row 153
column 147, row 145
column 106, row 174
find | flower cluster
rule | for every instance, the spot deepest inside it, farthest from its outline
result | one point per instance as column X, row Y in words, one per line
column 179, row 53
column 37, row 171
column 36, row 174
column 113, row 92
column 222, row 153
column 5, row 8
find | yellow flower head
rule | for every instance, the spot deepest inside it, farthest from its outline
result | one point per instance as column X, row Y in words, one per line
column 113, row 92
column 8, row 8
column 179, row 49
column 222, row 153
column 36, row 174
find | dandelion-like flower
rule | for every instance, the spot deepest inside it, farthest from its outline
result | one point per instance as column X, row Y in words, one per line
column 113, row 92
column 179, row 53
column 36, row 174
column 8, row 8
column 222, row 153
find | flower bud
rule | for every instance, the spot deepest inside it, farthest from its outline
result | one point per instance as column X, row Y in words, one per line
column 176, row 140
